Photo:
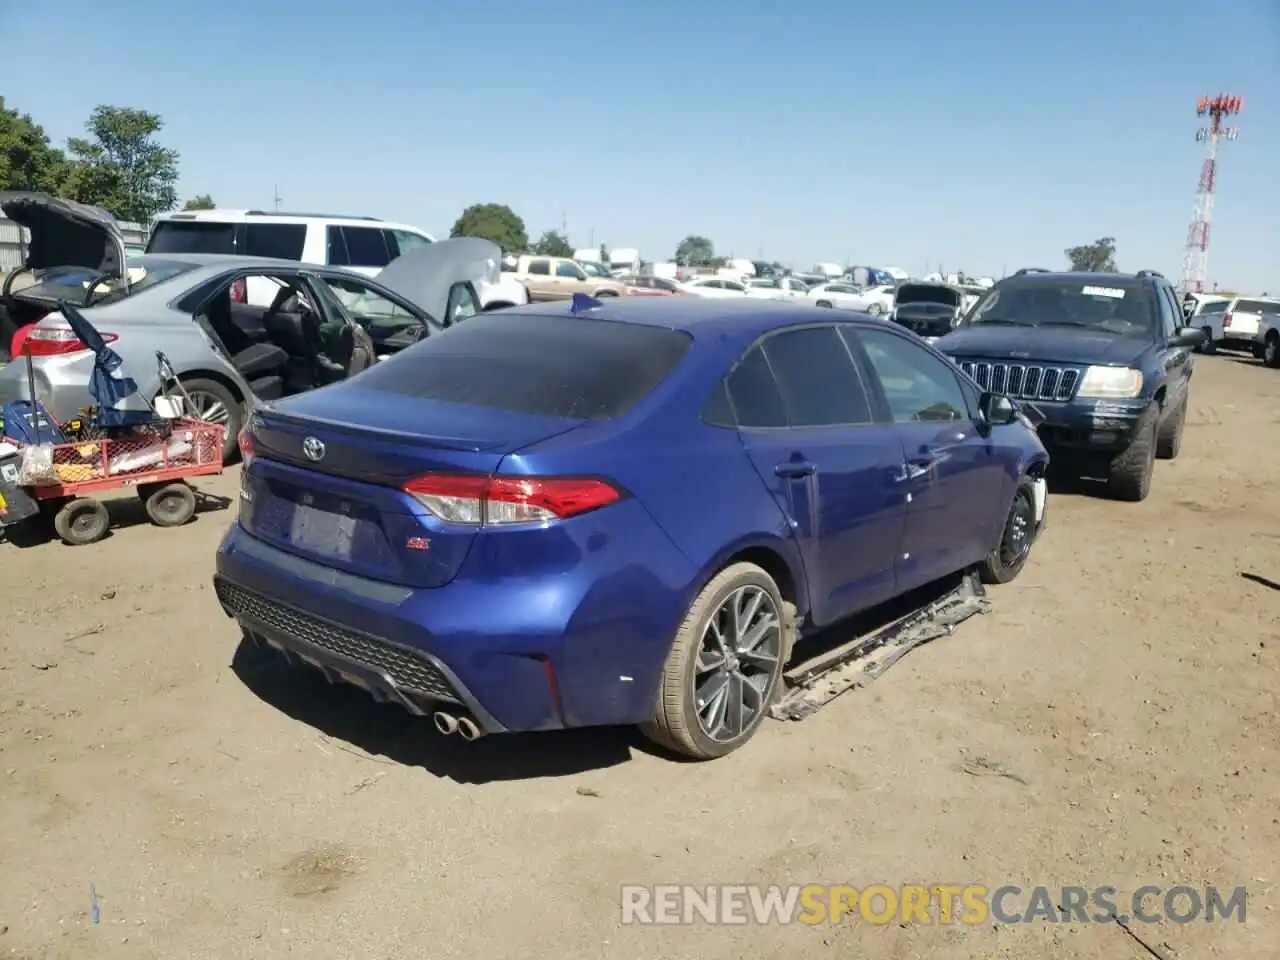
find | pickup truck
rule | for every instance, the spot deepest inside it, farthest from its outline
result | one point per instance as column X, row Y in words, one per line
column 559, row 278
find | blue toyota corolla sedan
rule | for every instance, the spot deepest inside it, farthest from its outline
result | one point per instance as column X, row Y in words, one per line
column 618, row 513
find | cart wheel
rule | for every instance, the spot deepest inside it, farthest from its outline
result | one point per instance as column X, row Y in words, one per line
column 171, row 505
column 82, row 521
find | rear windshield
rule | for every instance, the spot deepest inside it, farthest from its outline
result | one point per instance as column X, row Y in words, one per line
column 72, row 283
column 1217, row 306
column 1257, row 306
column 192, row 236
column 576, row 369
column 1106, row 304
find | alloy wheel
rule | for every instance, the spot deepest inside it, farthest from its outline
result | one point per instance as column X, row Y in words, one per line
column 737, row 661
column 209, row 408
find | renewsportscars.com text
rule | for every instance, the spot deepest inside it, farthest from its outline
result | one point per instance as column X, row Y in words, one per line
column 970, row 904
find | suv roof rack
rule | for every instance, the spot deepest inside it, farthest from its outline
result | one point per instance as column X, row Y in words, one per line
column 1018, row 273
column 1150, row 273
column 314, row 216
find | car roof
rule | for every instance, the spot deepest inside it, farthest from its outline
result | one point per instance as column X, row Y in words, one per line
column 221, row 260
column 222, row 215
column 1078, row 276
column 696, row 316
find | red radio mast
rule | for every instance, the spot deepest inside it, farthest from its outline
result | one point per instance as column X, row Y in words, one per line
column 1195, row 263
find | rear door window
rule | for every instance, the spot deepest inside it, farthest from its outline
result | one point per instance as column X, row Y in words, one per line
column 816, row 376
column 366, row 247
column 558, row 367
column 192, row 236
column 754, row 393
column 280, row 241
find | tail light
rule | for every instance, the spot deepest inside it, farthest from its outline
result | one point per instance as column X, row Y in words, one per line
column 245, row 442
column 238, row 292
column 486, row 501
column 1226, row 321
column 57, row 341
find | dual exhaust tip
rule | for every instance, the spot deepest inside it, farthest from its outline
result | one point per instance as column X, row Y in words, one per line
column 448, row 725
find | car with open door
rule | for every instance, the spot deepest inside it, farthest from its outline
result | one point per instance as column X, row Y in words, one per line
column 618, row 512
column 322, row 324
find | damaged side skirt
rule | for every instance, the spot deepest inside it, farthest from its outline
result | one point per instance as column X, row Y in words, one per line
column 868, row 657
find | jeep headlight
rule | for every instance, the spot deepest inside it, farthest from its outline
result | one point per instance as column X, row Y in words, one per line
column 1110, row 383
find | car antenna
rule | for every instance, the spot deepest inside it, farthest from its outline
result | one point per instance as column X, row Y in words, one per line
column 582, row 303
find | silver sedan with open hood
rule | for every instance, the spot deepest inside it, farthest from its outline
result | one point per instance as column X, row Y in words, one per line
column 322, row 326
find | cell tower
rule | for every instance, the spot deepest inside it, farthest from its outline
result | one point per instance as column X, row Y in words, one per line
column 1195, row 263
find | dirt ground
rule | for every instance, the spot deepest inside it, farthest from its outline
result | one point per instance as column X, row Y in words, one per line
column 1126, row 684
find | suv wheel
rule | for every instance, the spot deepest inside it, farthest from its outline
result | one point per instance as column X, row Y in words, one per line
column 1169, row 439
column 1271, row 350
column 1207, row 347
column 1129, row 477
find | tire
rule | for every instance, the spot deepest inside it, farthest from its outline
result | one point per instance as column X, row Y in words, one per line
column 82, row 521
column 606, row 293
column 1271, row 351
column 1169, row 436
column 227, row 410
column 677, row 721
column 168, row 504
column 875, row 310
column 1129, row 476
column 1208, row 348
column 1016, row 537
column 825, row 303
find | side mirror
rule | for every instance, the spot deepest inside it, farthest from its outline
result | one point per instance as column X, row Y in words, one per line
column 996, row 409
column 1187, row 337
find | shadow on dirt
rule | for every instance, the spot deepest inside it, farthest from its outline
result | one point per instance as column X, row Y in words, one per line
column 348, row 715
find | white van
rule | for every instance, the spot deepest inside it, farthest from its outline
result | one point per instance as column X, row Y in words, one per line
column 362, row 244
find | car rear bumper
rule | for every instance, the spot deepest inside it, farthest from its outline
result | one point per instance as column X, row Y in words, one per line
column 1093, row 426
column 518, row 656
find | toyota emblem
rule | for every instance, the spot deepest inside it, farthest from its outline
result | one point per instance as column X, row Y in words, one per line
column 313, row 449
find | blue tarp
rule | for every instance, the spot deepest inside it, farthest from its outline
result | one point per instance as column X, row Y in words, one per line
column 104, row 385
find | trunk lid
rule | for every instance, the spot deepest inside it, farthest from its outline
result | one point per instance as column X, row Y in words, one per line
column 67, row 234
column 325, row 478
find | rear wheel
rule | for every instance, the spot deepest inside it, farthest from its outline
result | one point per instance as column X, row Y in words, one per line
column 214, row 403
column 724, row 666
column 1009, row 557
column 1207, row 347
column 168, row 504
column 1169, row 439
column 876, row 310
column 606, row 293
column 825, row 303
column 1271, row 350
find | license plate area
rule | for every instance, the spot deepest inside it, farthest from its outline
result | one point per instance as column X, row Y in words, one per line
column 316, row 529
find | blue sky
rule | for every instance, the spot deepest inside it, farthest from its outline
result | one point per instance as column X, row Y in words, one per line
column 981, row 135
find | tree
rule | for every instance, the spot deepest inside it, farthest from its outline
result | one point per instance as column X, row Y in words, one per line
column 1097, row 257
column 553, row 244
column 695, row 251
column 201, row 201
column 27, row 160
column 121, row 167
column 493, row 221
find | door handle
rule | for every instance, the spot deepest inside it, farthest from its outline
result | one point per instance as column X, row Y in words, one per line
column 796, row 468
column 917, row 467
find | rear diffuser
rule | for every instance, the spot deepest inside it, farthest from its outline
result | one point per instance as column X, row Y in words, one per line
column 863, row 659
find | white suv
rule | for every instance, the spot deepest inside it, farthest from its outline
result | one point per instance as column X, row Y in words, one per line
column 362, row 244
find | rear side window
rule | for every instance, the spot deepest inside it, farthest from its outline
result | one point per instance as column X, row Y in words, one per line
column 280, row 241
column 366, row 247
column 754, row 393
column 545, row 366
column 817, row 378
column 1257, row 306
column 192, row 236
column 540, row 268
